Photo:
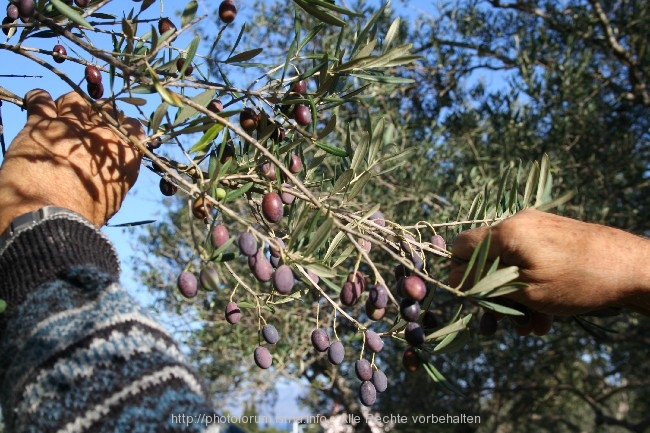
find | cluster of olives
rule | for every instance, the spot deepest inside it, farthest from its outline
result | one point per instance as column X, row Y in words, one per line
column 23, row 9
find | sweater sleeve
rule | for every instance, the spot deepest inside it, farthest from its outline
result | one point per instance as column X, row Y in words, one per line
column 77, row 353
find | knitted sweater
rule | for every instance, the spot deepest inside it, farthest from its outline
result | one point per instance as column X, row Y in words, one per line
column 77, row 353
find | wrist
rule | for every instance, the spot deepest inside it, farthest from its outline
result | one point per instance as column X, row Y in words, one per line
column 637, row 289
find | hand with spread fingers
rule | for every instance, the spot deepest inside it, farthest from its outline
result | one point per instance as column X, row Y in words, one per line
column 570, row 267
column 66, row 156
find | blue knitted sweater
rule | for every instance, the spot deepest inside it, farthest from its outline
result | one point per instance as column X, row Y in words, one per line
column 77, row 353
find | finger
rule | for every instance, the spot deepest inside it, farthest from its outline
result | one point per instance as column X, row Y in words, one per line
column 74, row 106
column 39, row 103
column 466, row 242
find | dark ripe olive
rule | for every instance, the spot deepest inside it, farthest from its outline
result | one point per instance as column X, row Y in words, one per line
column 167, row 188
column 12, row 12
column 215, row 106
column 320, row 340
column 249, row 119
column 179, row 65
column 350, row 294
column 414, row 288
column 81, row 3
column 367, row 393
column 414, row 334
column 378, row 296
column 283, row 279
column 272, row 207
column 6, row 22
column 374, row 313
column 295, row 165
column 92, row 74
column 378, row 218
column 363, row 369
column 227, row 11
column 262, row 268
column 299, row 87
column 165, row 25
column 262, row 357
column 336, row 353
column 26, row 9
column 438, row 243
column 187, row 284
column 219, row 235
column 374, row 341
column 276, row 246
column 58, row 53
column 96, row 91
column 302, row 115
column 247, row 244
column 270, row 334
column 286, row 196
column 233, row 313
column 411, row 360
column 410, row 310
column 380, row 380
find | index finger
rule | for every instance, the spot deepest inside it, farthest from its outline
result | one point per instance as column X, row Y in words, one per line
column 39, row 103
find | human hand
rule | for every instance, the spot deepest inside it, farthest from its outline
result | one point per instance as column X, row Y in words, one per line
column 570, row 267
column 66, row 156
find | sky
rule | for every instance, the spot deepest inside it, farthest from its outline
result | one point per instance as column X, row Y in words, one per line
column 144, row 202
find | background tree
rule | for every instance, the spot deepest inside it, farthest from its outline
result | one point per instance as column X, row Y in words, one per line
column 428, row 141
column 500, row 83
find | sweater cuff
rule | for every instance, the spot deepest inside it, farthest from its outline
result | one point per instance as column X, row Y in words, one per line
column 46, row 251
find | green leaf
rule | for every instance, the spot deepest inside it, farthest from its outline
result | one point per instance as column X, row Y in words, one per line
column 143, row 90
column 320, row 14
column 244, row 56
column 167, row 95
column 319, row 238
column 497, row 279
column 343, row 181
column 145, row 5
column 499, row 308
column 71, row 14
column 336, row 151
column 456, row 326
column 132, row 224
column 206, row 139
column 157, row 117
column 360, row 152
column 541, row 183
column 3, row 305
column 103, row 16
column 133, row 101
column 440, row 379
column 533, row 175
column 358, row 185
column 233, row 195
column 186, row 112
column 189, row 12
column 385, row 79
column 321, row 270
column 331, row 125
column 391, row 33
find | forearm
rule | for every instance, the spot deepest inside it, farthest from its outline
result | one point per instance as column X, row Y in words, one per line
column 76, row 350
